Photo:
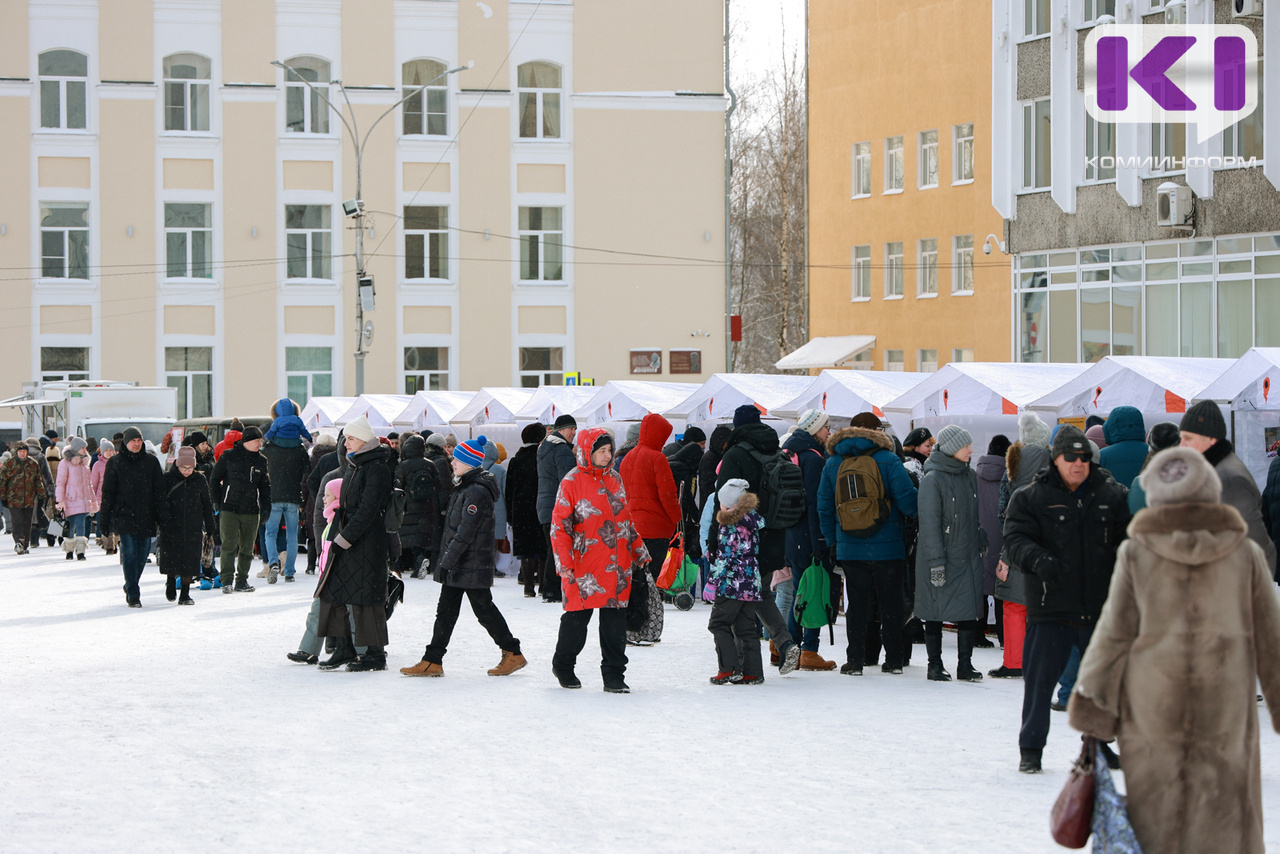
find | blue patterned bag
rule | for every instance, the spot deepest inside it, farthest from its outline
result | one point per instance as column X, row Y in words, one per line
column 1112, row 833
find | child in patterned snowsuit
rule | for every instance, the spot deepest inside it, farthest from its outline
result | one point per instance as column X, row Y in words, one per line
column 736, row 575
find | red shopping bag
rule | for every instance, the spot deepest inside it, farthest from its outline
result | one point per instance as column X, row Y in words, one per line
column 671, row 566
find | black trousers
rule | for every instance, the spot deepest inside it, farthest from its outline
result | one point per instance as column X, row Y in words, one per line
column 613, row 640
column 550, row 586
column 1044, row 655
column 733, row 625
column 21, row 518
column 447, row 609
column 871, row 581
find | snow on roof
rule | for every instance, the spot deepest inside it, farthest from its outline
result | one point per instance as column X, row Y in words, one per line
column 324, row 411
column 1248, row 383
column 983, row 388
column 493, row 405
column 380, row 409
column 631, row 400
column 432, row 407
column 723, row 393
column 551, row 401
column 827, row 352
column 1149, row 383
column 846, row 393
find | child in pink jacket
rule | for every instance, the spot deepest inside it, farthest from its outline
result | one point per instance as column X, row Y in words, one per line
column 311, row 644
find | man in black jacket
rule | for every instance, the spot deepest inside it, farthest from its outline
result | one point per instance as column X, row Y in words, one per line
column 555, row 460
column 684, row 457
column 420, row 480
column 133, row 507
column 1062, row 530
column 287, row 470
column 242, row 495
column 805, row 544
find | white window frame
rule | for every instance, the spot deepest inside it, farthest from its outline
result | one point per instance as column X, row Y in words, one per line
column 893, row 270
column 861, row 169
column 962, row 354
column 894, row 164
column 66, row 232
column 194, row 89
column 924, row 364
column 188, row 378
column 545, row 377
column 961, row 153
column 893, row 361
column 309, row 236
column 1233, row 137
column 1035, row 19
column 962, row 259
column 1161, row 142
column 1093, row 148
column 53, row 375
column 1092, row 10
column 423, row 374
column 540, row 95
column 861, row 283
column 928, row 160
column 431, row 237
column 189, row 233
column 309, row 374
column 315, row 110
column 420, row 102
column 927, row 268
column 540, row 236
column 1031, row 147
column 63, row 81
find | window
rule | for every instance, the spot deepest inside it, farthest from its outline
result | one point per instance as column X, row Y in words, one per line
column 426, row 369
column 927, row 267
column 1244, row 138
column 1095, row 9
column 962, row 265
column 307, row 240
column 1035, row 17
column 928, row 159
column 893, row 270
column 64, row 241
column 861, row 169
column 862, row 272
column 427, row 117
column 893, row 168
column 63, row 75
column 962, row 354
column 541, row 366
column 1036, row 137
column 1099, row 142
column 962, row 156
column 927, row 360
column 1168, row 143
column 190, row 371
column 188, row 235
column 306, row 107
column 186, row 92
column 64, row 364
column 308, row 373
column 538, row 85
column 893, row 360
column 426, row 242
column 541, row 242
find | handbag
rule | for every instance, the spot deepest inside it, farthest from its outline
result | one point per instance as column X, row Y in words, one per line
column 57, row 525
column 1071, row 819
column 1112, row 832
column 672, row 564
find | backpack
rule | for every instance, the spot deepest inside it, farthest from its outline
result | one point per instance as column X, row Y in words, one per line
column 861, row 505
column 813, row 608
column 422, row 485
column 395, row 510
column 782, row 496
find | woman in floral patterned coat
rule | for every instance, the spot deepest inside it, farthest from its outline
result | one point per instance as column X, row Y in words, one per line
column 596, row 549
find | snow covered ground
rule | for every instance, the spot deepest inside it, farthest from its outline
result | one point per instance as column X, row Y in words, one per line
column 186, row 729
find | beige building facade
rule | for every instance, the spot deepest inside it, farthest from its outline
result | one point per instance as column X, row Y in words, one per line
column 171, row 202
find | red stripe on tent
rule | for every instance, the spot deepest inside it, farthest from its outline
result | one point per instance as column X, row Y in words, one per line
column 1173, row 403
column 763, row 411
column 875, row 410
column 1007, row 407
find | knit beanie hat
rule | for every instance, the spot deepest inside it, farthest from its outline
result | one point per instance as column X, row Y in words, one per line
column 952, row 438
column 236, row 425
column 999, row 445
column 1094, row 434
column 186, row 456
column 358, row 428
column 747, row 413
column 436, row 439
column 1180, row 476
column 105, row 444
column 694, row 434
column 76, row 445
column 1163, row 435
column 732, row 491
column 633, row 433
column 1205, row 418
column 917, row 437
column 250, row 433
column 565, row 421
column 867, row 421
column 131, row 433
column 811, row 421
column 1069, row 439
column 471, row 453
column 1032, row 431
column 601, row 441
column 194, row 439
column 531, row 435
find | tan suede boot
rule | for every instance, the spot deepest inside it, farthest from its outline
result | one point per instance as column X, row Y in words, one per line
column 774, row 658
column 423, row 668
column 510, row 663
column 813, row 661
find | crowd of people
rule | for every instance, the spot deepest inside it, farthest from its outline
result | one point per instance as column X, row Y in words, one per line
column 1128, row 569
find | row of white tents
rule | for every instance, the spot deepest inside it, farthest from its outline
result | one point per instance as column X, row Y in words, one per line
column 984, row 397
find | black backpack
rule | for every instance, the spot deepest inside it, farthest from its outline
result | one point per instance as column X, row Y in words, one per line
column 782, row 496
column 423, row 484
column 395, row 510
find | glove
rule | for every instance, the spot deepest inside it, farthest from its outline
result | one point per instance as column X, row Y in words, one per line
column 1047, row 569
column 938, row 576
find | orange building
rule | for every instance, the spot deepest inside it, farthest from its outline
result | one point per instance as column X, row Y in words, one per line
column 899, row 185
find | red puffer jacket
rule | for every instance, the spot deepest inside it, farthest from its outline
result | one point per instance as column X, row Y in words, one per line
column 229, row 440
column 595, row 545
column 651, row 490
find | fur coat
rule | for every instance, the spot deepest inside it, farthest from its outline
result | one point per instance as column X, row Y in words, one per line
column 1191, row 621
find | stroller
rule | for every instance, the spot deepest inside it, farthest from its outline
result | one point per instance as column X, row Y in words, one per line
column 679, row 578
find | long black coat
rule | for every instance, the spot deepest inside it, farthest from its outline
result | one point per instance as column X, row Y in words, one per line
column 436, row 455
column 466, row 557
column 710, row 460
column 133, row 494
column 188, row 515
column 522, row 504
column 421, row 518
column 358, row 575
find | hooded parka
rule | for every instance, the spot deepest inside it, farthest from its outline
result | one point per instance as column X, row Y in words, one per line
column 950, row 537
column 886, row 543
column 420, row 515
column 466, row 548
column 1126, row 449
column 651, row 489
column 74, row 490
column 555, row 461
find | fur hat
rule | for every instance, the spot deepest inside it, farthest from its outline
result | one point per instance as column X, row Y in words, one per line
column 731, row 493
column 357, row 428
column 1205, row 418
column 1069, row 439
column 867, row 421
column 999, row 445
column 471, row 453
column 1032, row 431
column 952, row 438
column 812, row 421
column 1180, row 476
column 747, row 413
column 186, row 456
column 1163, row 435
column 533, row 433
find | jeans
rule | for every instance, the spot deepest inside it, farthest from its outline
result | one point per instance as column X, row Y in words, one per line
column 1067, row 680
column 785, row 597
column 238, row 532
column 1044, row 657
column 885, row 576
column 133, row 558
column 486, row 612
column 289, row 513
column 77, row 526
column 573, row 637
column 271, row 553
column 733, row 625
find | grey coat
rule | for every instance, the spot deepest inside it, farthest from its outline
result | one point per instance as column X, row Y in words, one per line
column 1240, row 490
column 499, row 472
column 555, row 460
column 950, row 537
column 1027, row 461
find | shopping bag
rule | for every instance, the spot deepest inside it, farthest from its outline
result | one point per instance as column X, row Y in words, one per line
column 1071, row 819
column 672, row 564
column 56, row 526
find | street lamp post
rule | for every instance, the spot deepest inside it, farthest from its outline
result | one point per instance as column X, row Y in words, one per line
column 364, row 332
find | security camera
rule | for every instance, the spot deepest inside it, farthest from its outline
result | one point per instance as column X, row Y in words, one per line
column 352, row 207
column 986, row 249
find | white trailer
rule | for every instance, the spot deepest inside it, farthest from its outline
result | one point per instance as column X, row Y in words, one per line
column 95, row 408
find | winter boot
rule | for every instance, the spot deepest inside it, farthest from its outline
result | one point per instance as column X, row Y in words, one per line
column 789, row 659
column 774, row 658
column 615, row 685
column 68, row 546
column 933, row 645
column 344, row 652
column 510, row 663
column 966, row 640
column 184, row 592
column 302, row 657
column 566, row 678
column 374, row 658
column 813, row 661
column 170, row 588
column 244, row 587
column 423, row 668
column 82, row 543
column 1030, row 763
column 529, row 572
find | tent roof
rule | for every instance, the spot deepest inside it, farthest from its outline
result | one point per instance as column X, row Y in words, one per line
column 432, row 407
column 380, row 409
column 844, row 393
column 723, row 393
column 493, row 405
column 983, row 388
column 325, row 410
column 825, row 352
column 631, row 400
column 1150, row 383
column 1243, row 382
column 551, row 401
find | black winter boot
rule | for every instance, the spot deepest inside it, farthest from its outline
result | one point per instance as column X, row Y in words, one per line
column 1030, row 762
column 344, row 652
column 966, row 639
column 374, row 658
column 933, row 645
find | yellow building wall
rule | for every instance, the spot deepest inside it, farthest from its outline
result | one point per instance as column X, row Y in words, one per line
column 868, row 80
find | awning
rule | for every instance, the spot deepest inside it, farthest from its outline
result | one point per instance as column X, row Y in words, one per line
column 831, row 352
column 21, row 401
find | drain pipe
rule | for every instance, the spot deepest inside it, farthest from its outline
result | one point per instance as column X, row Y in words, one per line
column 728, row 188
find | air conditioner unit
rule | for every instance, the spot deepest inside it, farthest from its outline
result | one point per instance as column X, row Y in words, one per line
column 1174, row 205
column 1246, row 8
column 1175, row 12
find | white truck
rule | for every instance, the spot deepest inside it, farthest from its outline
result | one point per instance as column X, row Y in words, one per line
column 95, row 408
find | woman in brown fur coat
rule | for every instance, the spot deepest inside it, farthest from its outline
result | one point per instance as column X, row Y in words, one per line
column 1191, row 625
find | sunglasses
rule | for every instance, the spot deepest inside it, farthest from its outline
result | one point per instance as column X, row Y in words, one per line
column 1072, row 457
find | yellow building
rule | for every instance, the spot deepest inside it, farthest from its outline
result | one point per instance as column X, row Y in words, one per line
column 171, row 202
column 899, row 184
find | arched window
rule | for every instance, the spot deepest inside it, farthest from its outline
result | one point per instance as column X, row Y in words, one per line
column 186, row 92
column 305, row 109
column 538, row 84
column 63, row 75
column 425, row 115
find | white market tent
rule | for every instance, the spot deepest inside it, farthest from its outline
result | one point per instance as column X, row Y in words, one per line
column 1244, row 392
column 829, row 352
column 718, row 397
column 380, row 409
column 1156, row 386
column 549, row 402
column 620, row 401
column 492, row 413
column 983, row 397
column 322, row 412
column 431, row 409
column 843, row 394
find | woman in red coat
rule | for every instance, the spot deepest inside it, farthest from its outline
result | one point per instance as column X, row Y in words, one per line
column 655, row 506
column 596, row 550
